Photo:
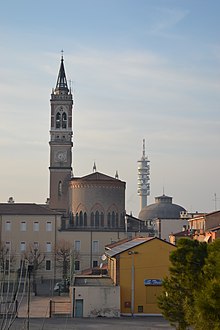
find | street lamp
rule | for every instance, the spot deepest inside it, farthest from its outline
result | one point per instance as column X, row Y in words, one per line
column 132, row 253
column 30, row 270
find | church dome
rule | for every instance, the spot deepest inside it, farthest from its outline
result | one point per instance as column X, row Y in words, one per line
column 163, row 208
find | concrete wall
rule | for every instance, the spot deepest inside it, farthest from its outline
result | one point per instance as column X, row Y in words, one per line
column 97, row 301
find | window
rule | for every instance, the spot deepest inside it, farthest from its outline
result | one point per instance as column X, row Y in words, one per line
column 7, row 265
column 8, row 226
column 23, row 226
column 64, row 120
column 61, row 120
column 22, row 246
column 85, row 219
column 77, row 219
column 95, row 263
column 60, row 188
column 49, row 226
column 102, row 219
column 48, row 247
column 80, row 218
column 36, row 226
column 113, row 219
column 92, row 219
column 48, row 265
column 122, row 221
column 97, row 219
column 36, row 245
column 77, row 265
column 58, row 120
column 77, row 245
column 95, row 246
column 116, row 223
column 8, row 246
column 140, row 309
column 109, row 220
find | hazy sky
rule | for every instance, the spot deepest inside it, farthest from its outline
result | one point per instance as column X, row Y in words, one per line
column 139, row 69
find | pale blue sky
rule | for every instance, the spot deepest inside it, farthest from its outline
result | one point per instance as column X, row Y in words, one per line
column 140, row 69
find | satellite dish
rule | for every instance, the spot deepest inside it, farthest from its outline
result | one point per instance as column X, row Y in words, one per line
column 103, row 257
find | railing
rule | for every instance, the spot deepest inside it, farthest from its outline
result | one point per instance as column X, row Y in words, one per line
column 8, row 308
column 60, row 308
column 90, row 228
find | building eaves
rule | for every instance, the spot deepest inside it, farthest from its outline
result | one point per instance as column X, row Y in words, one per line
column 127, row 245
column 92, row 280
column 25, row 209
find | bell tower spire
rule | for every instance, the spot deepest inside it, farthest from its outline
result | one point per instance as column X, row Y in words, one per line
column 61, row 144
column 61, row 86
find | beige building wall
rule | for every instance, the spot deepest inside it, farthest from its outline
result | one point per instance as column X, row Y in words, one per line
column 97, row 300
column 91, row 247
column 197, row 223
column 19, row 233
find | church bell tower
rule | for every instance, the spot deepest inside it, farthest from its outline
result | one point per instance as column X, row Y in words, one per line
column 61, row 144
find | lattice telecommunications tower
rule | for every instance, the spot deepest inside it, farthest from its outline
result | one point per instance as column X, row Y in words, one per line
column 143, row 178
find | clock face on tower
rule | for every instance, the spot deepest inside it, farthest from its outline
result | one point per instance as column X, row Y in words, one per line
column 61, row 156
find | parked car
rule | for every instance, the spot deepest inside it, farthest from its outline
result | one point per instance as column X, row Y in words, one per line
column 62, row 286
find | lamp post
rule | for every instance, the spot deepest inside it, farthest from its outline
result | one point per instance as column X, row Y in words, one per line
column 132, row 253
column 30, row 269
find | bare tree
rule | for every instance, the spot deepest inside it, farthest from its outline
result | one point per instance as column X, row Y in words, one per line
column 35, row 258
column 7, row 258
column 65, row 258
column 62, row 253
column 8, row 286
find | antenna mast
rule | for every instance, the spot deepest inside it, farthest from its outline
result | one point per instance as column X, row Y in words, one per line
column 143, row 178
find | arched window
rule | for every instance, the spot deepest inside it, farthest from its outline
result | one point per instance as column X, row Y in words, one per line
column 59, row 188
column 64, row 120
column 116, row 224
column 71, row 220
column 85, row 219
column 61, row 120
column 122, row 221
column 102, row 219
column 92, row 219
column 80, row 218
column 113, row 219
column 97, row 219
column 77, row 219
column 58, row 120
column 109, row 220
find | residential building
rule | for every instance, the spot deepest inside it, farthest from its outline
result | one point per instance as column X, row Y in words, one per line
column 138, row 266
column 29, row 228
column 202, row 227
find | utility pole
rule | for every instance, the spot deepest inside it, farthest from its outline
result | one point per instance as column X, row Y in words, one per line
column 215, row 201
column 132, row 253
